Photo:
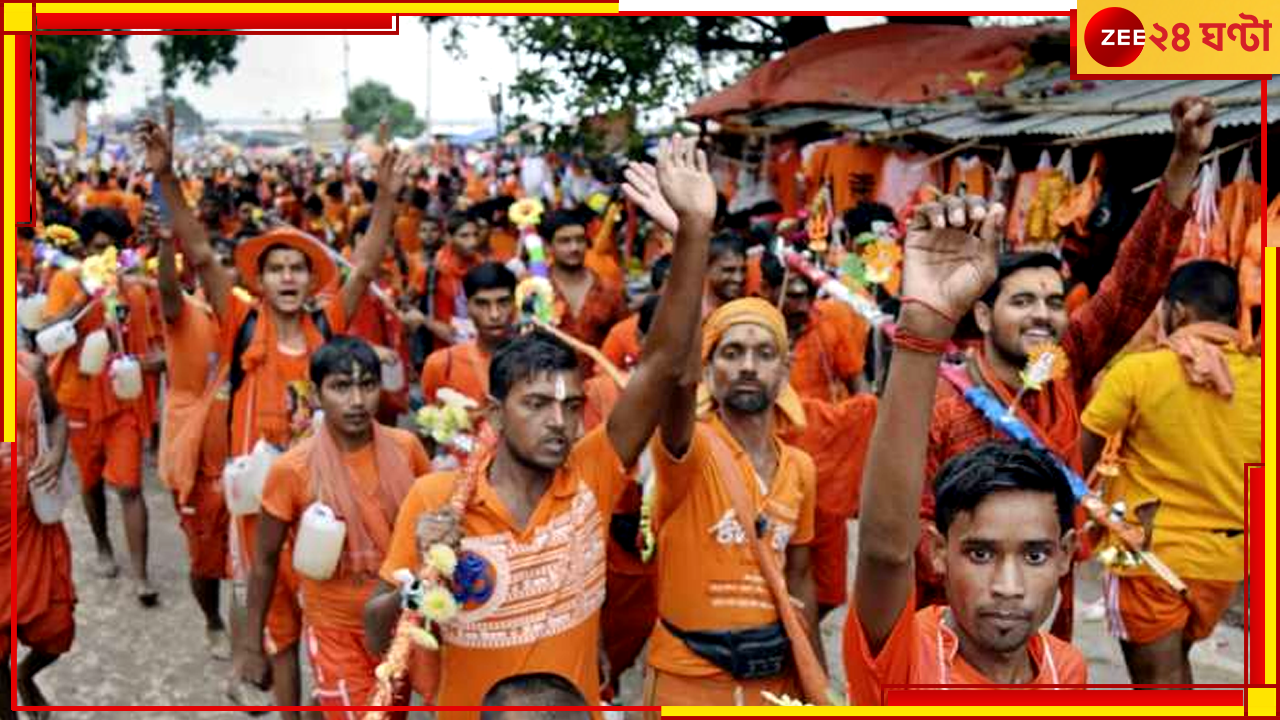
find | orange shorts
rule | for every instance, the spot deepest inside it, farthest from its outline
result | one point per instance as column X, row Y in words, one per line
column 204, row 520
column 343, row 671
column 284, row 614
column 1142, row 609
column 52, row 632
column 110, row 450
column 829, row 558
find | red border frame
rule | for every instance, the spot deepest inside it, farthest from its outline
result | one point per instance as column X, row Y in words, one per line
column 917, row 695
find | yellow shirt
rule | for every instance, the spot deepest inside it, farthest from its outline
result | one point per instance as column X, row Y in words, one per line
column 1187, row 446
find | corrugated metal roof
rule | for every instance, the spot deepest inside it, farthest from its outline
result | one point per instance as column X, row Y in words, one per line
column 1047, row 102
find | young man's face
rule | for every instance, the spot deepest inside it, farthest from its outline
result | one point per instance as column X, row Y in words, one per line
column 726, row 275
column 466, row 239
column 1031, row 309
column 1002, row 563
column 569, row 246
column 285, row 280
column 747, row 369
column 541, row 418
column 429, row 233
column 494, row 313
column 349, row 400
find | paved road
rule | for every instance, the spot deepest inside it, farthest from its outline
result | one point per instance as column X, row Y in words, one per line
column 127, row 655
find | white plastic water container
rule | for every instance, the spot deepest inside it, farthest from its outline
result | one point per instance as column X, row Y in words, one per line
column 392, row 376
column 48, row 505
column 318, row 544
column 94, row 351
column 126, row 378
column 30, row 311
column 58, row 337
column 244, row 476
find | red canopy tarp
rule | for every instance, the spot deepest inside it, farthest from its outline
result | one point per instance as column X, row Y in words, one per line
column 880, row 65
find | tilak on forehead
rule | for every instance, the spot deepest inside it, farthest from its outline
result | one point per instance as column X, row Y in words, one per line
column 561, row 391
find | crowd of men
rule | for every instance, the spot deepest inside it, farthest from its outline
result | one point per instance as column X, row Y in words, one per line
column 689, row 511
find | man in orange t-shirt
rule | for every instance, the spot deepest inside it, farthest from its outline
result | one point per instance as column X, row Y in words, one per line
column 1004, row 534
column 361, row 471
column 193, row 442
column 622, row 345
column 588, row 305
column 266, row 345
column 721, row 599
column 536, row 506
column 43, row 599
column 106, row 433
column 462, row 251
column 491, row 290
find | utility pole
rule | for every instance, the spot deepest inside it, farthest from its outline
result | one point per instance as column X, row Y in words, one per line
column 426, row 113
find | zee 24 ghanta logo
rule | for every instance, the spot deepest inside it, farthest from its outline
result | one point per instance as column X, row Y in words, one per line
column 1115, row 36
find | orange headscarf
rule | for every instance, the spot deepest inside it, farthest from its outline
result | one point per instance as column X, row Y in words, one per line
column 750, row 311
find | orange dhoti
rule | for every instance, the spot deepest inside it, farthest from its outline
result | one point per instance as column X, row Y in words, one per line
column 205, row 521
column 109, row 449
column 284, row 614
column 343, row 670
column 630, row 608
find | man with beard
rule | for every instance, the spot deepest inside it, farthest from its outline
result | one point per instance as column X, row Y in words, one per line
column 536, row 520
column 491, row 290
column 1003, row 535
column 711, row 609
column 588, row 305
column 1025, row 307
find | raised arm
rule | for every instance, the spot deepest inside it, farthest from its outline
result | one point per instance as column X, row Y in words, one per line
column 1131, row 291
column 170, row 286
column 665, row 357
column 946, row 269
column 392, row 171
column 197, row 249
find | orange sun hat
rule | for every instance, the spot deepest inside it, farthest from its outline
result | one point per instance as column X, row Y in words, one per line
column 324, row 271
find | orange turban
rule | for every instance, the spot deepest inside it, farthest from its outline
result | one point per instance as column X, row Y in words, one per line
column 750, row 311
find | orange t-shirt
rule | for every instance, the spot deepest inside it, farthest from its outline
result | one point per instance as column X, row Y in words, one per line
column 622, row 344
column 464, row 368
column 339, row 601
column 830, row 353
column 451, row 268
column 547, row 578
column 503, row 244
column 693, row 517
column 406, row 231
column 192, row 365
column 923, row 650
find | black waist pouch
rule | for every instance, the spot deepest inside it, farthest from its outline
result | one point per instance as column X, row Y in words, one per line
column 751, row 654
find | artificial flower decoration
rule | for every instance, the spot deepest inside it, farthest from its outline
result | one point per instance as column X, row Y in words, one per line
column 526, row 213
column 438, row 604
column 442, row 558
column 536, row 299
column 883, row 261
column 62, row 236
column 1045, row 362
column 598, row 202
column 98, row 272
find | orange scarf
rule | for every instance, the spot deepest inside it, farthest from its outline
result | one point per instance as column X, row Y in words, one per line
column 265, row 387
column 1199, row 348
column 368, row 524
column 1050, row 413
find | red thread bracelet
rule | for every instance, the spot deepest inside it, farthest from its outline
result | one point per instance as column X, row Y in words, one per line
column 930, row 308
column 907, row 340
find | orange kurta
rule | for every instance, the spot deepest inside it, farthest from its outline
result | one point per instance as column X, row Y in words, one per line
column 504, row 244
column 464, row 368
column 544, row 612
column 44, row 597
column 622, row 344
column 451, row 268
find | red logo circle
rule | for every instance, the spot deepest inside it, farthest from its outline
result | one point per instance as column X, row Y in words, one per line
column 1111, row 39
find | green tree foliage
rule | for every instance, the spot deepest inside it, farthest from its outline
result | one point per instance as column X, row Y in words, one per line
column 75, row 67
column 371, row 101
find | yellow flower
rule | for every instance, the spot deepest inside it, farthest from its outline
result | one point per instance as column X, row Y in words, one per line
column 438, row 604
column 882, row 260
column 526, row 213
column 62, row 236
column 443, row 559
column 1045, row 362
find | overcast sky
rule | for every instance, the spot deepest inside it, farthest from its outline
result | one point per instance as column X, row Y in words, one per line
column 289, row 75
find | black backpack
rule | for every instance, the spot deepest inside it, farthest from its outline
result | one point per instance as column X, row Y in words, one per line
column 244, row 336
